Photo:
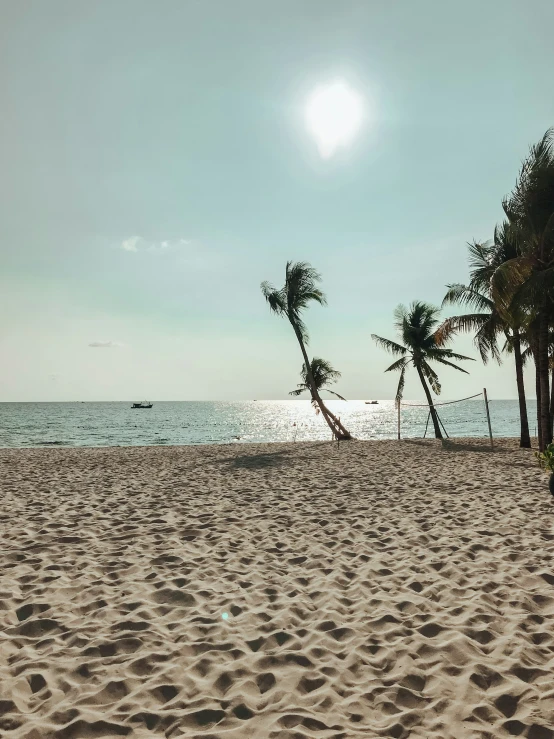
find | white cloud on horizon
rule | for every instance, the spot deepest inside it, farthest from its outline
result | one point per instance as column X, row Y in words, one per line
column 138, row 243
column 130, row 244
column 105, row 344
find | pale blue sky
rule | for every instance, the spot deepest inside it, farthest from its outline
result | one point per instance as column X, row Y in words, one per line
column 182, row 122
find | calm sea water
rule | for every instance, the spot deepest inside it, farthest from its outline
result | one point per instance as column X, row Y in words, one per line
column 116, row 424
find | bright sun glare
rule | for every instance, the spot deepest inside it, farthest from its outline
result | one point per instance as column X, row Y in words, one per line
column 333, row 116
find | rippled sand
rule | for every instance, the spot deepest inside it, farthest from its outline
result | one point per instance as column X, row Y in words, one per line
column 376, row 589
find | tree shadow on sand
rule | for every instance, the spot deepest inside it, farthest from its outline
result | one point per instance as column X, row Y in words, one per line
column 277, row 458
column 451, row 445
column 259, row 461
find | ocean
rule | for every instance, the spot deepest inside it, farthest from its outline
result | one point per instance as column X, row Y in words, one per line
column 219, row 422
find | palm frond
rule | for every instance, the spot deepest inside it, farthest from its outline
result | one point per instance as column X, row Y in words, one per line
column 447, row 353
column 401, row 314
column 388, row 345
column 467, row 295
column 450, row 364
column 400, row 388
column 526, row 355
column 323, row 374
column 508, row 278
column 399, row 364
column 456, row 324
column 335, row 394
column 300, row 389
column 417, row 324
column 432, row 377
column 529, row 205
column 301, row 286
column 275, row 298
column 535, row 291
column 486, row 341
column 323, row 370
column 298, row 323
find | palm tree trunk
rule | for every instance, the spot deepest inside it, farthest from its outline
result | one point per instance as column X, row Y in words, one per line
column 538, row 392
column 432, row 408
column 551, row 402
column 544, row 381
column 524, row 438
column 339, row 432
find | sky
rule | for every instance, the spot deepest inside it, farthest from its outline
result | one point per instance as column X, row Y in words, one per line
column 156, row 167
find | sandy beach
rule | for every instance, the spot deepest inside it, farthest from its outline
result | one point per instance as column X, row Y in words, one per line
column 291, row 591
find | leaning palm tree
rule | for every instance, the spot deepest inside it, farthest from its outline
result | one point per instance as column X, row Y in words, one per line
column 299, row 290
column 323, row 374
column 421, row 344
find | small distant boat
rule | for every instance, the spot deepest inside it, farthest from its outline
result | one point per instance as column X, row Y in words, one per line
column 143, row 404
column 372, row 402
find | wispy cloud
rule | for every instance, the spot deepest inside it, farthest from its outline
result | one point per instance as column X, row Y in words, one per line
column 131, row 244
column 105, row 344
column 139, row 243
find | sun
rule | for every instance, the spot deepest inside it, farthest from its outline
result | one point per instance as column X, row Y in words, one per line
column 334, row 114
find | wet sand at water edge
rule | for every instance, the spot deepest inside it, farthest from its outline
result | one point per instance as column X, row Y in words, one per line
column 283, row 591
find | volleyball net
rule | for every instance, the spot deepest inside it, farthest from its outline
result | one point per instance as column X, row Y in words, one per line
column 433, row 409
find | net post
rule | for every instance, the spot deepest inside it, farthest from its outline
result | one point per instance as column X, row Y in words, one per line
column 398, row 404
column 427, row 424
column 488, row 415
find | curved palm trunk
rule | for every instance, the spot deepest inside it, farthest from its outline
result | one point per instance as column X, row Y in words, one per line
column 432, row 408
column 339, row 432
column 524, row 438
column 544, row 382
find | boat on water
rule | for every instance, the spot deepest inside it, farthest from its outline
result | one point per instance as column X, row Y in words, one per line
column 143, row 404
column 372, row 402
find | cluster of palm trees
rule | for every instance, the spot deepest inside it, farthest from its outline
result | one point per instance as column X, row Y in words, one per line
column 510, row 298
column 511, row 286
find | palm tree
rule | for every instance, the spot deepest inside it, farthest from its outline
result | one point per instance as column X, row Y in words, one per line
column 299, row 290
column 484, row 321
column 527, row 281
column 529, row 339
column 489, row 320
column 323, row 374
column 417, row 328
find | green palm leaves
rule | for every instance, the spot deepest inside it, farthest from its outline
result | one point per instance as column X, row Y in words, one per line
column 323, row 374
column 299, row 290
column 417, row 327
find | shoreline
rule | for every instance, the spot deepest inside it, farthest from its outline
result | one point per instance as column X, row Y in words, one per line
column 241, row 444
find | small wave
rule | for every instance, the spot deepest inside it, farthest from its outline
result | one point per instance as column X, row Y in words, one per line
column 52, row 443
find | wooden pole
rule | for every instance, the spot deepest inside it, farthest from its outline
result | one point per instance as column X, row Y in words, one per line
column 488, row 415
column 398, row 420
column 427, row 424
